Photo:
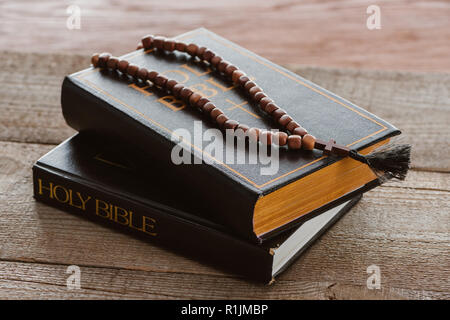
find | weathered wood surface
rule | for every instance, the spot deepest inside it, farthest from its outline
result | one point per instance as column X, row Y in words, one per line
column 401, row 227
column 414, row 34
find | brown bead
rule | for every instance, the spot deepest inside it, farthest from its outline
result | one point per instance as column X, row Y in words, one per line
column 176, row 90
column 300, row 131
column 243, row 127
column 266, row 137
column 169, row 45
column 158, row 42
column 142, row 74
column 192, row 49
column 208, row 55
column 243, row 80
column 94, row 59
column 200, row 52
column 230, row 69
column 170, row 84
column 249, row 84
column 180, row 46
column 253, row 134
column 292, row 125
column 112, row 63
column 281, row 137
column 294, row 142
column 221, row 119
column 160, row 81
column 208, row 107
column 271, row 107
column 103, row 59
column 186, row 93
column 236, row 75
column 147, row 41
column 122, row 66
column 264, row 102
column 223, row 65
column 193, row 99
column 139, row 46
column 230, row 124
column 254, row 90
column 152, row 76
column 215, row 113
column 132, row 69
column 284, row 120
column 258, row 96
column 278, row 113
column 308, row 142
column 215, row 61
column 202, row 102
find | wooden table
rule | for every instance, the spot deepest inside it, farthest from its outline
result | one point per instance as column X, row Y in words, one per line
column 401, row 227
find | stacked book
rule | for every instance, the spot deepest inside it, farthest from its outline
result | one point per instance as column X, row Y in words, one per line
column 127, row 166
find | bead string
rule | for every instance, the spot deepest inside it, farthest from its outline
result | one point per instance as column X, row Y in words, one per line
column 298, row 138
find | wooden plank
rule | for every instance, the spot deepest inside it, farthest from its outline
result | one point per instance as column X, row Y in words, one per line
column 415, row 35
column 417, row 103
column 401, row 227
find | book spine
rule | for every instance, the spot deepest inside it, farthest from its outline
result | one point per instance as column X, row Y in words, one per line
column 76, row 196
column 86, row 112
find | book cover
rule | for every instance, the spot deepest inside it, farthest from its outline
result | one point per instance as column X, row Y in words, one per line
column 263, row 205
column 98, row 180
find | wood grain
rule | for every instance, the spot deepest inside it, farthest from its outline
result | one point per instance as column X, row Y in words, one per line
column 401, row 227
column 414, row 34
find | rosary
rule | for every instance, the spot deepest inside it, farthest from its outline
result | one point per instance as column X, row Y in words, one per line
column 391, row 161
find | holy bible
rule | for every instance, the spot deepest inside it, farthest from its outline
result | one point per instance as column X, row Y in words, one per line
column 260, row 200
column 102, row 181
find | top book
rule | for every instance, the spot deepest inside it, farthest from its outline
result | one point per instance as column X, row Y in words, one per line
column 257, row 200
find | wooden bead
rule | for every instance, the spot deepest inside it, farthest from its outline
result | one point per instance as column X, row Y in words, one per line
column 253, row 134
column 142, row 74
column 264, row 102
column 160, row 81
column 152, row 76
column 192, row 49
column 271, row 107
column 177, row 89
column 253, row 90
column 299, row 131
column 186, row 93
column 223, row 65
column 281, row 137
column 180, row 46
column 112, row 63
column 208, row 55
column 266, row 137
column 221, row 119
column 215, row 113
column 132, row 69
column 230, row 69
column 284, row 120
column 308, row 142
column 158, row 42
column 201, row 102
column 249, row 84
column 169, row 45
column 230, row 124
column 94, row 60
column 147, row 42
column 122, row 66
column 292, row 125
column 294, row 142
column 243, row 127
column 215, row 61
column 258, row 96
column 103, row 59
column 237, row 74
column 278, row 113
column 200, row 52
column 170, row 84
column 193, row 99
column 208, row 107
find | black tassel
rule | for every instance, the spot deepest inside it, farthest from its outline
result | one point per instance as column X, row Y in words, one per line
column 388, row 161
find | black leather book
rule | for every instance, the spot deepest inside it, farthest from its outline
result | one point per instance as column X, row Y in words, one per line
column 255, row 204
column 104, row 182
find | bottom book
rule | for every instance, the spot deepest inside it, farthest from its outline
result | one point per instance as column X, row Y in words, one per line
column 104, row 182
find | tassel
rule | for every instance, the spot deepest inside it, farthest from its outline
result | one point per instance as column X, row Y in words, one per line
column 388, row 161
